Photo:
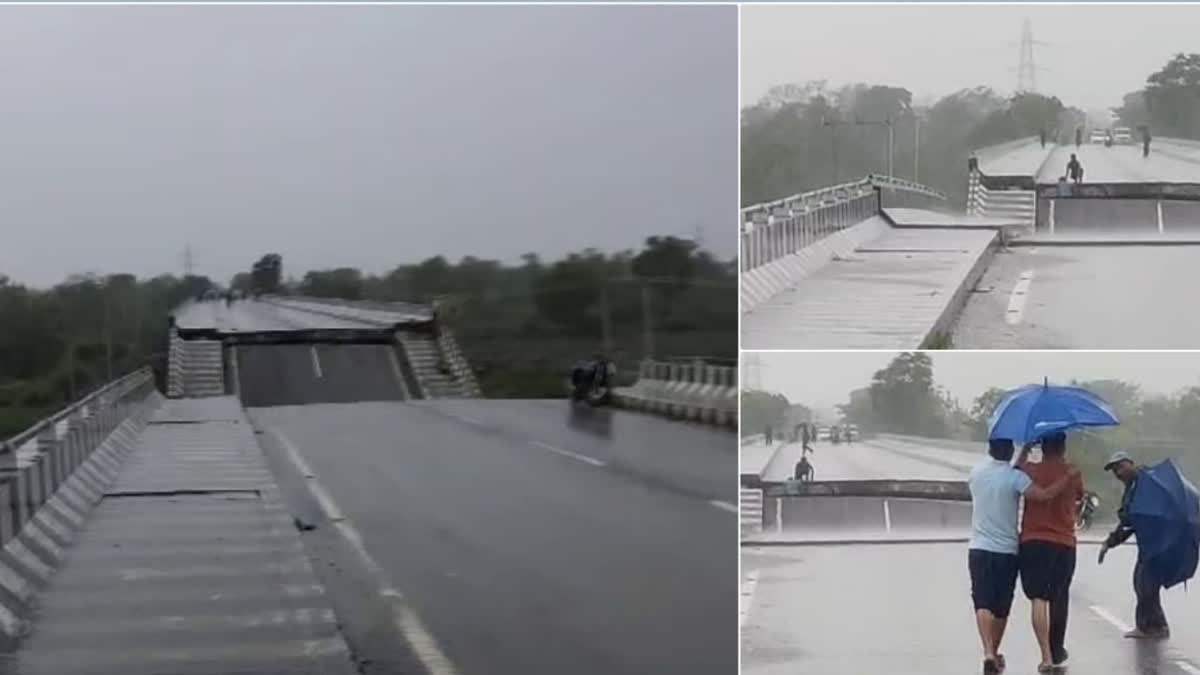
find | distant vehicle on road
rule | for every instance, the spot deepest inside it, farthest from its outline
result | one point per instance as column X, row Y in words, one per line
column 1099, row 136
column 1122, row 135
column 823, row 433
column 852, row 432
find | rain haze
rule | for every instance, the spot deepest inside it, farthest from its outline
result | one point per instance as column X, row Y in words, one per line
column 358, row 136
column 1092, row 54
column 824, row 380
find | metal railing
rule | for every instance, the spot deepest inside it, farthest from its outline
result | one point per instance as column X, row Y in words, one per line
column 772, row 230
column 35, row 462
column 102, row 404
column 992, row 151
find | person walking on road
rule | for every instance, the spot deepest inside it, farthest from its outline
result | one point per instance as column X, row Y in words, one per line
column 1047, row 553
column 996, row 490
column 1042, row 137
column 1146, row 142
column 1078, row 137
column 805, row 440
column 1149, row 619
column 1075, row 170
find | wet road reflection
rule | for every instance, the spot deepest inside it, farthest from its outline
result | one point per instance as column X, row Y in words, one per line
column 906, row 608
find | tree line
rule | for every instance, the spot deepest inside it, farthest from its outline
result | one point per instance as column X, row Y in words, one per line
column 521, row 325
column 904, row 398
column 800, row 137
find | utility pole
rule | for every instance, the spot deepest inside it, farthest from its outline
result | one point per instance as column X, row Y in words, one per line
column 187, row 260
column 916, row 149
column 833, row 138
column 108, row 335
column 605, row 320
column 647, row 328
column 891, row 142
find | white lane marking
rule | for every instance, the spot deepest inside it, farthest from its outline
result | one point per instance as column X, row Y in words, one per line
column 404, row 617
column 567, row 453
column 1016, row 301
column 887, row 516
column 316, row 362
column 1184, row 665
column 1109, row 617
column 470, row 420
column 724, row 506
column 747, row 597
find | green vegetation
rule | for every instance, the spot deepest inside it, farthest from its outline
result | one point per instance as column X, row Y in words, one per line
column 904, row 398
column 805, row 136
column 1170, row 101
column 521, row 326
column 761, row 410
column 802, row 137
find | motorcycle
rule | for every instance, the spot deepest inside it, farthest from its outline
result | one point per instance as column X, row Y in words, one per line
column 590, row 383
column 1087, row 511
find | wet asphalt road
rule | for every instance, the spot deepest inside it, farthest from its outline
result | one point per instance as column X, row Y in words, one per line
column 531, row 541
column 296, row 374
column 1119, row 297
column 906, row 608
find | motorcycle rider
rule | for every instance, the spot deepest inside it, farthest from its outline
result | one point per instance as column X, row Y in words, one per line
column 592, row 374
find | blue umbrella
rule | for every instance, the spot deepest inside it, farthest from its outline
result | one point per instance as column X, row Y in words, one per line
column 1165, row 511
column 1035, row 410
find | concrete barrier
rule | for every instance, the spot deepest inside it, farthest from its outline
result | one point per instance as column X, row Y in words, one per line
column 848, row 515
column 750, row 512
column 694, row 391
column 51, row 476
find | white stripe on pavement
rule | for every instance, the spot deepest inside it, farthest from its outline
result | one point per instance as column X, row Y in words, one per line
column 1109, row 617
column 1020, row 294
column 404, row 617
column 724, row 506
column 747, row 597
column 567, row 453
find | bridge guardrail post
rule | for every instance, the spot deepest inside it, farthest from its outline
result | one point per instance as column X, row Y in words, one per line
column 76, row 440
column 48, row 460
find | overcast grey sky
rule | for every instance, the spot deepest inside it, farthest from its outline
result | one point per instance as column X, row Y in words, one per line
column 362, row 136
column 823, row 380
column 1095, row 53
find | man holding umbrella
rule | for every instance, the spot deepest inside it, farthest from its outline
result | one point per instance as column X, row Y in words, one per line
column 1163, row 509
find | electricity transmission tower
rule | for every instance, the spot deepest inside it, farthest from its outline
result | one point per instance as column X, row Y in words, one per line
column 751, row 372
column 187, row 260
column 1027, row 68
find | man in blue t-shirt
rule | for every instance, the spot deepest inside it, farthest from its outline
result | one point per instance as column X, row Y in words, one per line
column 996, row 491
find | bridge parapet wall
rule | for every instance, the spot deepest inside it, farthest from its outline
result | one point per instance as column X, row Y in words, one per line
column 695, row 391
column 52, row 474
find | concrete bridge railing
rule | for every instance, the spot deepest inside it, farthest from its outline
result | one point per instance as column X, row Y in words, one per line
column 35, row 463
column 867, row 509
column 774, row 230
column 694, row 391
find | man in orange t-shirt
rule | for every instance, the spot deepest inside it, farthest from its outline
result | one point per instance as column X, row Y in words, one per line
column 1047, row 553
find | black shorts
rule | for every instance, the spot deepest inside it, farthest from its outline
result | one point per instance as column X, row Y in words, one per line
column 1046, row 569
column 993, row 580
